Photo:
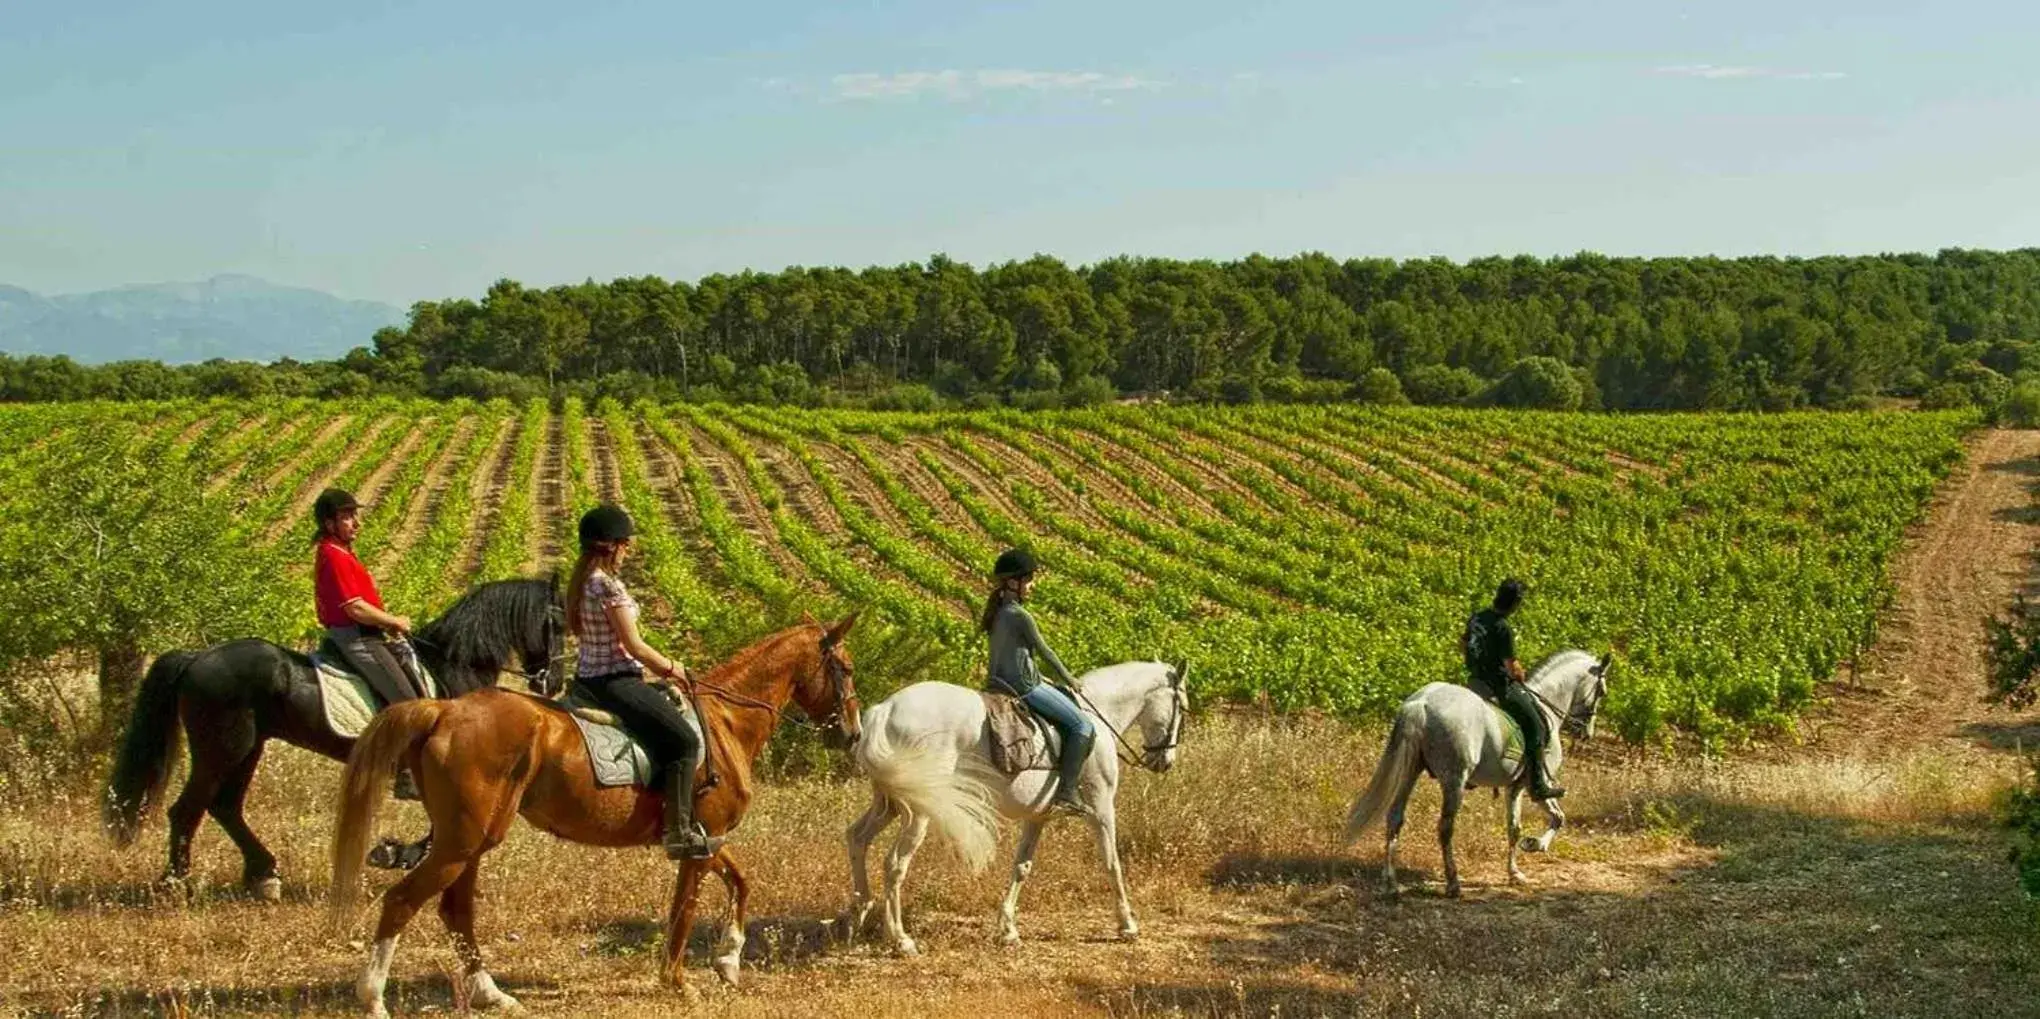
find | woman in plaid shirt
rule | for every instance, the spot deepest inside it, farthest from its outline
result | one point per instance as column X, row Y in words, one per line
column 611, row 667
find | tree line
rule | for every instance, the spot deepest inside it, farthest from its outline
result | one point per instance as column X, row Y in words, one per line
column 1585, row 331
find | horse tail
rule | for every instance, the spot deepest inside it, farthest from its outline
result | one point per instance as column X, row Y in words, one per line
column 142, row 768
column 389, row 738
column 931, row 781
column 1398, row 765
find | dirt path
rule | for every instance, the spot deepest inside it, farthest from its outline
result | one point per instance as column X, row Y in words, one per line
column 301, row 500
column 1922, row 683
column 602, row 460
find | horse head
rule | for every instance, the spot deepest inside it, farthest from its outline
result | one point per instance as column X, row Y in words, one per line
column 829, row 698
column 1161, row 719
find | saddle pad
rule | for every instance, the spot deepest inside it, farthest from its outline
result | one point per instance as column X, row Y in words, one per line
column 348, row 702
column 617, row 757
column 1017, row 738
column 1512, row 740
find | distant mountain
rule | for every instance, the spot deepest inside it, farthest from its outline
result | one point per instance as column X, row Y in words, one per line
column 236, row 317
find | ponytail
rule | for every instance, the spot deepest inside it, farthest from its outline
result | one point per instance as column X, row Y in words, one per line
column 595, row 555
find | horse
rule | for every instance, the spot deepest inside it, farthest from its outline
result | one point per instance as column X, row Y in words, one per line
column 927, row 754
column 483, row 759
column 232, row 698
column 1453, row 734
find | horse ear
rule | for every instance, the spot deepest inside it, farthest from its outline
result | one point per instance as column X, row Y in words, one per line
column 837, row 631
column 1180, row 676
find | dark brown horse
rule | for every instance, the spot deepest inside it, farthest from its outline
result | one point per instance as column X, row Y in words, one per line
column 233, row 698
column 483, row 759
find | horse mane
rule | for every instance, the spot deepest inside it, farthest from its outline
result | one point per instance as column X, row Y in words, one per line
column 490, row 618
column 1569, row 658
column 746, row 660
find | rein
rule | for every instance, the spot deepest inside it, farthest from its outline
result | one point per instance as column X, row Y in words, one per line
column 1124, row 750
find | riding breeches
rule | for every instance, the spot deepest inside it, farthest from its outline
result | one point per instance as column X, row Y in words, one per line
column 650, row 715
column 1521, row 705
column 1077, row 734
column 388, row 666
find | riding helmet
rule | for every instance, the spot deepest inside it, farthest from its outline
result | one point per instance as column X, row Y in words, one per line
column 331, row 503
column 607, row 522
column 1014, row 562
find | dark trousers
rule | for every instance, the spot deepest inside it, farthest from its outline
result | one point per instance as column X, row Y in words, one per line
column 650, row 716
column 387, row 666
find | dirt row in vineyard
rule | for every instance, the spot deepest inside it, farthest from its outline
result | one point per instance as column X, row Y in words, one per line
column 732, row 483
column 485, row 493
column 548, row 524
column 424, row 506
column 300, row 504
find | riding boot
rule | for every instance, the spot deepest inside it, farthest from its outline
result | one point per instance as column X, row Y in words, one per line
column 684, row 838
column 1069, row 770
column 1522, row 705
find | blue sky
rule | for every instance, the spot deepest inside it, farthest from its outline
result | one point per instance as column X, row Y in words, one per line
column 404, row 152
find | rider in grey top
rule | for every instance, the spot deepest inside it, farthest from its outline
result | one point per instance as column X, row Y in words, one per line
column 1016, row 645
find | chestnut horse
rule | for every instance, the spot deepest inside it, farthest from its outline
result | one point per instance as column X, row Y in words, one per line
column 482, row 759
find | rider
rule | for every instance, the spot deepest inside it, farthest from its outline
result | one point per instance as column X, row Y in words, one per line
column 611, row 667
column 351, row 609
column 1016, row 642
column 1489, row 646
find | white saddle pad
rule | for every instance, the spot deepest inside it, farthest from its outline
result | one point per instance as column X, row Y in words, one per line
column 348, row 701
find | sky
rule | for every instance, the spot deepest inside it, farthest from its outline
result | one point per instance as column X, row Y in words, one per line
column 404, row 152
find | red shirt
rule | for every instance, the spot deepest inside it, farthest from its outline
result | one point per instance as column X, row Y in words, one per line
column 338, row 578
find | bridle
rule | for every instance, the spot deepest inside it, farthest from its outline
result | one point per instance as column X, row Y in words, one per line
column 1171, row 741
column 1571, row 723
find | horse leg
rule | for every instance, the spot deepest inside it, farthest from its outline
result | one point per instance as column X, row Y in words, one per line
column 457, row 910
column 680, row 920
column 1398, row 808
column 1107, row 828
column 859, row 836
column 258, row 864
column 1556, row 820
column 896, row 863
column 442, row 867
column 1448, row 813
column 1023, row 864
column 729, row 953
column 201, row 788
column 1514, row 813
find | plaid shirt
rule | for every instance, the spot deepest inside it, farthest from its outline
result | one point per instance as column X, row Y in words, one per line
column 600, row 654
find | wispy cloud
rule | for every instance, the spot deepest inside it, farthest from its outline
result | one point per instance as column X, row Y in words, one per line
column 954, row 84
column 1716, row 72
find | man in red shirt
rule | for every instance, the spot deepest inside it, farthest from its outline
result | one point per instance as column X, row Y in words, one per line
column 351, row 609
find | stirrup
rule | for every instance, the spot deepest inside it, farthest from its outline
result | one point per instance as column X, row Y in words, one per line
column 692, row 843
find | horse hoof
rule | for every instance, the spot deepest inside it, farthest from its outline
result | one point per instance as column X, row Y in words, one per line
column 266, row 889
column 1452, row 891
column 1129, row 933
column 1009, row 939
column 906, row 949
column 727, row 970
column 1530, row 845
column 178, row 890
column 1517, row 877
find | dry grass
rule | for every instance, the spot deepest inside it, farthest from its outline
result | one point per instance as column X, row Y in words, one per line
column 1680, row 888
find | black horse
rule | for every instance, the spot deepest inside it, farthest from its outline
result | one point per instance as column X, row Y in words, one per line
column 234, row 697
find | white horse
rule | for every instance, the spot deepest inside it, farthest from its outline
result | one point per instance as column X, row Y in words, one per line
column 928, row 757
column 1453, row 734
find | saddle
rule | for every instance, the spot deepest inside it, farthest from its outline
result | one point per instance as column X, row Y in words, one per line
column 1019, row 740
column 616, row 756
column 346, row 698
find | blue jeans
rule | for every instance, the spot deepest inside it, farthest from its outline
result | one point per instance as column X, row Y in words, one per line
column 1060, row 711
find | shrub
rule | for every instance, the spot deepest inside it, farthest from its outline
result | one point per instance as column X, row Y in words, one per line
column 1435, row 385
column 1380, row 385
column 1541, row 382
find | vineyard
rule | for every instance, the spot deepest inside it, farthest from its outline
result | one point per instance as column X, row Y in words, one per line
column 1301, row 557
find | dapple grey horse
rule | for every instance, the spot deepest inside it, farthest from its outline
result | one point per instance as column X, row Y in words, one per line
column 929, row 760
column 1450, row 732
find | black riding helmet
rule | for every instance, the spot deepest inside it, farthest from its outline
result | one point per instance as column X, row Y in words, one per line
column 330, row 504
column 1013, row 563
column 607, row 522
